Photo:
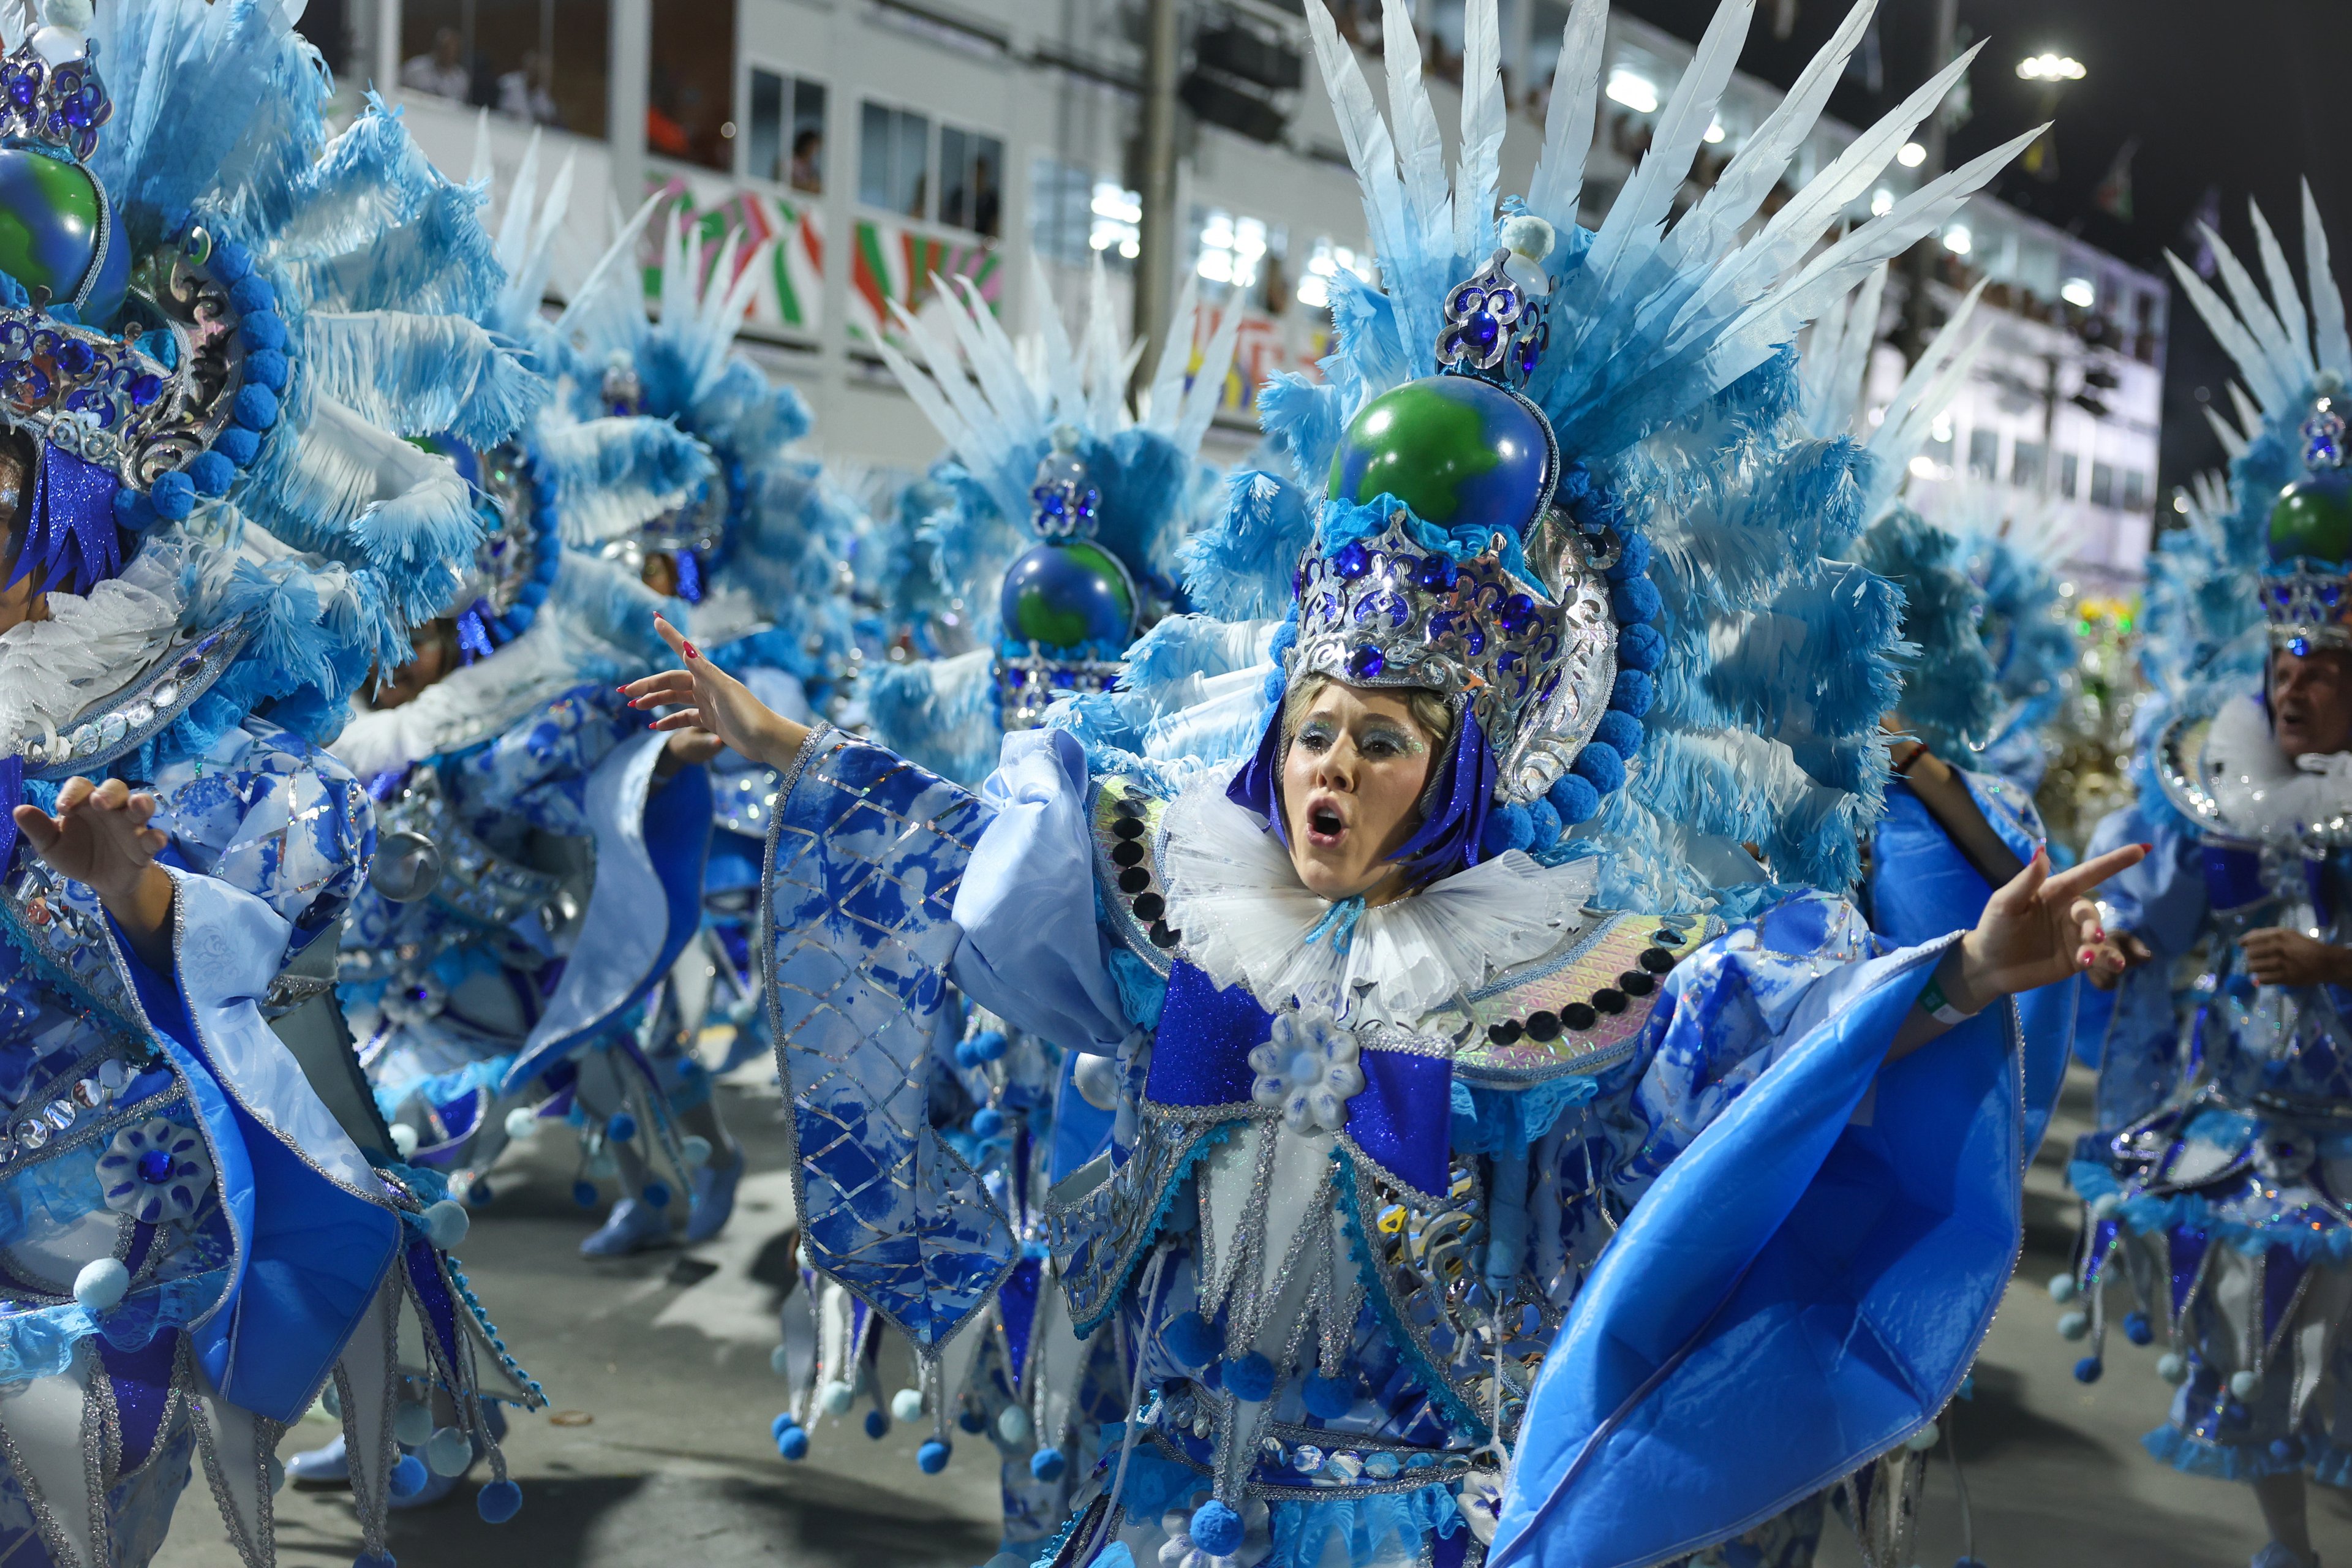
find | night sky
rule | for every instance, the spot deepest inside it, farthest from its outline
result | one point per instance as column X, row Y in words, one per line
column 2240, row 97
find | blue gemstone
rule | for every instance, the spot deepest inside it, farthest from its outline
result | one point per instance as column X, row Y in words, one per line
column 23, row 87
column 1482, row 329
column 154, row 1165
column 1353, row 560
column 1476, row 643
column 145, row 390
column 1516, row 612
column 2300, row 647
column 74, row 357
column 1435, row 572
column 1366, row 662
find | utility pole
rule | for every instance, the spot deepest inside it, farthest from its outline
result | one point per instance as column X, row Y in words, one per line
column 1155, row 268
column 1917, row 330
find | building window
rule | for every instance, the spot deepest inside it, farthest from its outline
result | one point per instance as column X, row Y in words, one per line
column 2135, row 490
column 690, row 82
column 1984, row 453
column 2102, row 484
column 2026, row 461
column 972, row 181
column 540, row 60
column 1241, row 258
column 787, row 140
column 894, row 159
column 1324, row 263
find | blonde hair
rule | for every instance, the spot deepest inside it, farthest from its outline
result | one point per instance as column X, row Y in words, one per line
column 1429, row 710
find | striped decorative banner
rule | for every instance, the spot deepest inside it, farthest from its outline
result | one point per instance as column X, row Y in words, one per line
column 791, row 294
column 895, row 263
column 1264, row 346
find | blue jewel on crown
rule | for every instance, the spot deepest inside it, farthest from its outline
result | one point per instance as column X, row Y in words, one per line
column 58, row 103
column 1062, row 496
column 2322, row 438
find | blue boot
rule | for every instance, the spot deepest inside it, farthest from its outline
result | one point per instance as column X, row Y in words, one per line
column 633, row 1226
column 714, row 1198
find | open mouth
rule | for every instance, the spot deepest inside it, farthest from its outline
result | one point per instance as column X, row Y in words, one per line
column 1324, row 826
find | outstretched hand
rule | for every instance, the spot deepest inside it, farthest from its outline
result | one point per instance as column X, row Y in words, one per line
column 101, row 837
column 2037, row 930
column 703, row 697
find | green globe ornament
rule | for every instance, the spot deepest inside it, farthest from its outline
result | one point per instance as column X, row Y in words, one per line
column 2313, row 520
column 1067, row 593
column 49, row 228
column 1455, row 448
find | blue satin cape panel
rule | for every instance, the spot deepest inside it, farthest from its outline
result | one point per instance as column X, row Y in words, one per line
column 1795, row 1295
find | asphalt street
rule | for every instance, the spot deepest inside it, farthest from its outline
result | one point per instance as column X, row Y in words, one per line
column 655, row 1450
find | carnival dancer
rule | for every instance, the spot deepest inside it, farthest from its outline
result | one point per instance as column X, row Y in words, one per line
column 760, row 552
column 222, row 327
column 1395, row 1081
column 1058, row 519
column 570, row 842
column 2216, row 1207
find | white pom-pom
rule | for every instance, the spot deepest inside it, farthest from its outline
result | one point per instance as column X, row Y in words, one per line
column 413, row 1422
column 448, row 1452
column 446, row 1224
column 1922, row 1440
column 907, row 1404
column 836, row 1397
column 695, row 1150
column 2105, row 1205
column 1097, row 1081
column 2074, row 1325
column 101, row 1284
column 1012, row 1426
column 73, row 14
column 2245, row 1385
column 1528, row 236
column 404, row 1138
column 521, row 1121
column 2062, row 1288
column 58, row 45
column 2173, row 1367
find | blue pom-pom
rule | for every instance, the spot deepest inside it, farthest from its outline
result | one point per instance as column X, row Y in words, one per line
column 971, row 1420
column 1601, row 766
column 792, row 1444
column 622, row 1127
column 526, row 611
column 229, row 263
column 876, row 1424
column 238, row 446
column 1632, row 693
column 134, row 511
column 1274, row 685
column 373, row 1560
column 987, row 1121
column 658, row 1194
column 932, row 1457
column 1191, row 1340
column 1634, row 561
column 1635, row 601
column 988, row 1045
column 174, row 495
column 1047, row 1464
column 1250, row 1378
column 255, row 408
column 784, row 1423
column 211, row 473
column 1328, row 1398
column 965, row 1058
column 1575, row 799
column 2288, row 1451
column 266, row 366
column 1640, row 647
column 266, row 331
column 1620, row 732
column 499, row 1502
column 1543, row 824
column 1968, row 1562
column 1215, row 1529
column 1508, row 827
column 252, row 294
column 542, row 492
column 584, row 1194
column 547, row 566
column 408, row 1476
column 2138, row 1329
column 2088, row 1368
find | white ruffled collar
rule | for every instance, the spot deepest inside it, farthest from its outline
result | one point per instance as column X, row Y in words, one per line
column 2260, row 793
column 91, row 646
column 1247, row 919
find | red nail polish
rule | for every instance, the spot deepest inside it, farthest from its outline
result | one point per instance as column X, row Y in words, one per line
column 693, row 652
column 2148, row 848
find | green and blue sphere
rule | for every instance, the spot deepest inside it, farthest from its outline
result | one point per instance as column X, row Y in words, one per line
column 48, row 231
column 1066, row 593
column 2312, row 519
column 1455, row 449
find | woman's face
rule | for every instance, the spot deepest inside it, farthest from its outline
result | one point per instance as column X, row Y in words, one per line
column 1352, row 787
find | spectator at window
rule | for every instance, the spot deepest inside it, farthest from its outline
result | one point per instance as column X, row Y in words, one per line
column 808, row 160
column 528, row 92
column 443, row 72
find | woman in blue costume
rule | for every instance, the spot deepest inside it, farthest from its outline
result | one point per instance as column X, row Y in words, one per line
column 221, row 328
column 1396, row 1081
column 557, row 823
column 760, row 551
column 1059, row 515
column 2215, row 1187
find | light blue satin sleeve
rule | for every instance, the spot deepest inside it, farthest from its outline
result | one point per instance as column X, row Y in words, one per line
column 1032, row 952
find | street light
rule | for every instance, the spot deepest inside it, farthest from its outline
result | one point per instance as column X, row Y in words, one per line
column 2051, row 68
column 1912, row 155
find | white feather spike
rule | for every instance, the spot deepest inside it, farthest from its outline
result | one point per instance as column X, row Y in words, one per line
column 1012, row 393
column 1370, row 150
column 1861, row 340
column 2250, row 418
column 988, row 432
column 2331, row 344
column 1208, row 389
column 2261, row 321
column 530, row 285
column 1483, row 117
column 1557, row 189
column 1420, row 149
column 1740, row 192
column 483, row 171
column 613, row 287
column 2286, row 298
column 2234, row 444
column 514, row 225
column 1817, row 370
column 927, row 398
column 734, row 302
column 1165, row 394
column 1065, row 379
column 1108, row 356
column 2231, row 334
column 1929, row 387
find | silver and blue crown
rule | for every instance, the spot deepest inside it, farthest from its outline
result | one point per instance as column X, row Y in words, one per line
column 2307, row 585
